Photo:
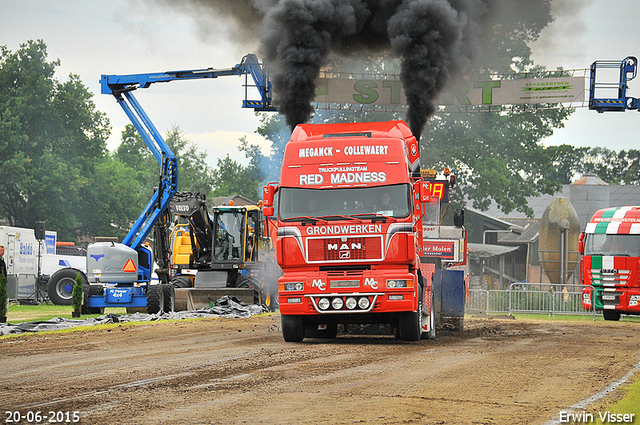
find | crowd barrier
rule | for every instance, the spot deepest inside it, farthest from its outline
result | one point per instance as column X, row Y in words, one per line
column 529, row 298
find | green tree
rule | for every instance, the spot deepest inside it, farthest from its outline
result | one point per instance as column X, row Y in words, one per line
column 194, row 175
column 233, row 179
column 51, row 136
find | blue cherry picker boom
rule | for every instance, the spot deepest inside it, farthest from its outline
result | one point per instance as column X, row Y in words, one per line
column 119, row 274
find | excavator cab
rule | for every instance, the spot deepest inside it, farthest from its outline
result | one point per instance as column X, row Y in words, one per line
column 235, row 239
column 221, row 249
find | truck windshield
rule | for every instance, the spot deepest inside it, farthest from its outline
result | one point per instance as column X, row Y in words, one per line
column 614, row 245
column 390, row 201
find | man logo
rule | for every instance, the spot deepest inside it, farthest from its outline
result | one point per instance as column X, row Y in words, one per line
column 345, row 255
column 318, row 283
column 369, row 281
column 343, row 247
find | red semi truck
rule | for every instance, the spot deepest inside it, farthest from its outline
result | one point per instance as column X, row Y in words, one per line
column 610, row 246
column 349, row 208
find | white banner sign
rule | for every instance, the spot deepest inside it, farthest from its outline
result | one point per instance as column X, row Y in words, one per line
column 480, row 93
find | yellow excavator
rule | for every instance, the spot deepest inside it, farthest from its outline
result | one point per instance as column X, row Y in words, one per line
column 227, row 251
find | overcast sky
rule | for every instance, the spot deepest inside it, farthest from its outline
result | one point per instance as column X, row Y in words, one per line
column 93, row 37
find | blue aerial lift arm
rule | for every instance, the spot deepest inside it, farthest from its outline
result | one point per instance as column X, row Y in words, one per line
column 122, row 86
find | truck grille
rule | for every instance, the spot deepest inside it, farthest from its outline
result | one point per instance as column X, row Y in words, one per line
column 609, row 277
column 609, row 299
column 363, row 248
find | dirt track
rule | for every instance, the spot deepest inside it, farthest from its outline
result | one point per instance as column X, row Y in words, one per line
column 229, row 371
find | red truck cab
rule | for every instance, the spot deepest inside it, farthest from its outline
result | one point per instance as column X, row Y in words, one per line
column 349, row 207
column 609, row 268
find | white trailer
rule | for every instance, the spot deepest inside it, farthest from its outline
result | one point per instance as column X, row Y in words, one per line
column 24, row 255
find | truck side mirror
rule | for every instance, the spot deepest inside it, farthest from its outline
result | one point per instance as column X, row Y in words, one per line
column 423, row 188
column 268, row 195
column 581, row 244
column 268, row 211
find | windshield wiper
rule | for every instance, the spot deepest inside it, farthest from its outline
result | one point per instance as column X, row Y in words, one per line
column 335, row 217
column 375, row 217
column 303, row 219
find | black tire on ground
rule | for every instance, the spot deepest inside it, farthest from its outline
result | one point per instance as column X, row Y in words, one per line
column 88, row 291
column 96, row 290
column 250, row 282
column 60, row 285
column 169, row 296
column 182, row 282
column 410, row 324
column 155, row 299
column 611, row 315
column 292, row 328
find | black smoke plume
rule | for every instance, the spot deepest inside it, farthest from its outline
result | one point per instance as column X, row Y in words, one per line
column 436, row 40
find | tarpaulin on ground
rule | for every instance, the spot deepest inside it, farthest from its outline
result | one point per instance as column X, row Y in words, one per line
column 226, row 306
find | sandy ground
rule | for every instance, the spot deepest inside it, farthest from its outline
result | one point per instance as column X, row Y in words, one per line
column 237, row 371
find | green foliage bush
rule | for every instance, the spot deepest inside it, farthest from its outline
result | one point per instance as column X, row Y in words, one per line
column 3, row 295
column 76, row 294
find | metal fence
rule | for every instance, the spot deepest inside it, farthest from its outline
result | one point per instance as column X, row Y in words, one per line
column 529, row 298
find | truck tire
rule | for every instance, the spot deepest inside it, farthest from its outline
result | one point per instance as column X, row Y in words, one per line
column 611, row 315
column 410, row 324
column 182, row 282
column 60, row 285
column 88, row 291
column 169, row 296
column 155, row 299
column 292, row 328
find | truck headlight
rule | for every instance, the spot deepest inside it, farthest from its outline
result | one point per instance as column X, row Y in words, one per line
column 364, row 303
column 397, row 283
column 293, row 286
column 351, row 303
column 323, row 303
column 337, row 303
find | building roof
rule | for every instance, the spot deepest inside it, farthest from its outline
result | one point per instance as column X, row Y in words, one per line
column 619, row 195
column 591, row 180
column 530, row 234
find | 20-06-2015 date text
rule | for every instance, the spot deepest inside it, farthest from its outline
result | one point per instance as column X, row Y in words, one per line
column 39, row 417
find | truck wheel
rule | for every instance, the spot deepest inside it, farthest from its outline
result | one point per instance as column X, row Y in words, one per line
column 88, row 291
column 155, row 299
column 611, row 315
column 60, row 285
column 169, row 296
column 410, row 324
column 292, row 328
column 182, row 282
